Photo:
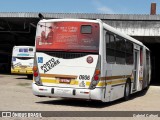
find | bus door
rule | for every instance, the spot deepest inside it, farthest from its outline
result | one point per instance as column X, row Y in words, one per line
column 136, row 66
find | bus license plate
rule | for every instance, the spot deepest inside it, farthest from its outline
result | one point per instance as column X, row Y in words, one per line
column 22, row 71
column 65, row 80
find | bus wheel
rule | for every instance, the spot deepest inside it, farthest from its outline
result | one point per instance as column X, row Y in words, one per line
column 127, row 90
column 148, row 83
column 147, row 87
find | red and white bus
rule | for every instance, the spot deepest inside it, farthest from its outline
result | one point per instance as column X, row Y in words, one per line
column 88, row 59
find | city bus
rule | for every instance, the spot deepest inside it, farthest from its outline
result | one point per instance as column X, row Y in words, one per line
column 22, row 60
column 88, row 59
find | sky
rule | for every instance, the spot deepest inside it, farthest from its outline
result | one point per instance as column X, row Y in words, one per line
column 79, row 6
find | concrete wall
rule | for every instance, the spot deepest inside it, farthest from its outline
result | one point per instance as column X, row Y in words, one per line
column 136, row 28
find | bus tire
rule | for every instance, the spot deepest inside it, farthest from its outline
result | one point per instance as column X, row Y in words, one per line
column 148, row 83
column 127, row 90
column 147, row 87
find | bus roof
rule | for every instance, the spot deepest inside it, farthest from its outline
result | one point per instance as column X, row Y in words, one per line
column 60, row 20
column 22, row 46
column 108, row 27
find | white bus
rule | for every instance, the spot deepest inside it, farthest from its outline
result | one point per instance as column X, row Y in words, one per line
column 22, row 60
column 88, row 59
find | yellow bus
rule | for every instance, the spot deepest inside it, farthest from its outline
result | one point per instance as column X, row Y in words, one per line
column 22, row 60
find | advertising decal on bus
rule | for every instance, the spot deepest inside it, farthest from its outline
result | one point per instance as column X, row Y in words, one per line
column 67, row 36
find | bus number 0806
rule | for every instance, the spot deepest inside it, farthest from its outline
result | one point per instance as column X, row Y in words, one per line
column 84, row 77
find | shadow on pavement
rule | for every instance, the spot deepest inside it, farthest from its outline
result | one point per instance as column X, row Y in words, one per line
column 24, row 78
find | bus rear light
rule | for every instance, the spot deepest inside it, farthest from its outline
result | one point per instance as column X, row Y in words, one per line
column 86, row 92
column 41, row 89
column 89, row 59
column 35, row 74
column 96, row 77
column 97, row 72
column 35, row 68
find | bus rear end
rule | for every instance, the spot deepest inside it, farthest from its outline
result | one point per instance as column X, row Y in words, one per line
column 22, row 60
column 67, row 61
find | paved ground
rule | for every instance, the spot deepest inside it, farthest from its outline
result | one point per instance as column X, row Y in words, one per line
column 16, row 95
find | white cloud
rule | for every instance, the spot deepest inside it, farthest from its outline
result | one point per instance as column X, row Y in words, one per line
column 102, row 8
column 105, row 9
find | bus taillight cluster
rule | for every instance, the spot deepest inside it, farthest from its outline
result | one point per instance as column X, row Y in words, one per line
column 96, row 76
column 35, row 71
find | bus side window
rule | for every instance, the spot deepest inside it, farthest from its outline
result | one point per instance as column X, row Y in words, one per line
column 129, row 53
column 110, row 51
column 147, row 58
column 30, row 49
column 120, row 50
column 112, row 42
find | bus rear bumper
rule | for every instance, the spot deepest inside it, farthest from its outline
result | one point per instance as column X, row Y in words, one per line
column 47, row 91
column 21, row 72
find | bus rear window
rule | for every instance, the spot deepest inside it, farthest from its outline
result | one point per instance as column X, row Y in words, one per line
column 68, row 36
column 20, row 50
column 30, row 49
column 86, row 29
column 23, row 50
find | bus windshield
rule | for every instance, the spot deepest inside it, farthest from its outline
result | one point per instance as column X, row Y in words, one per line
column 67, row 36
